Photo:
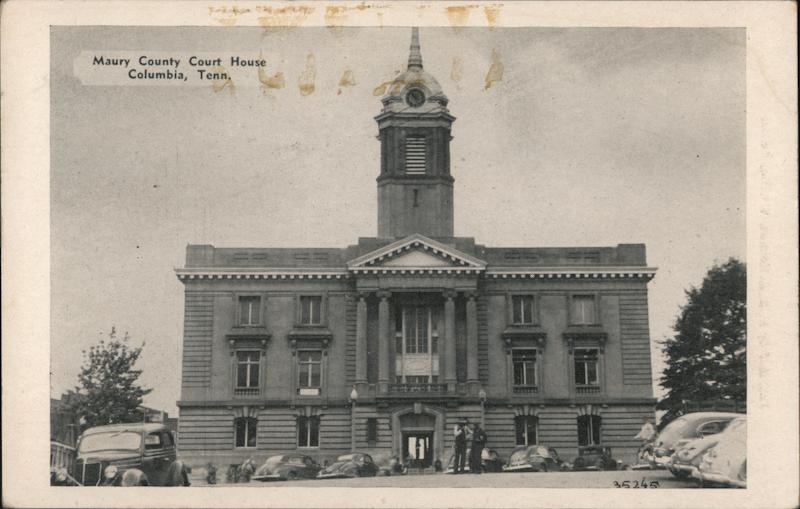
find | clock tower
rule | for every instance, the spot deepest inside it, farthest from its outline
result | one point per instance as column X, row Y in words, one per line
column 415, row 188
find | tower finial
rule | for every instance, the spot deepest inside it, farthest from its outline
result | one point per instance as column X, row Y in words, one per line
column 414, row 55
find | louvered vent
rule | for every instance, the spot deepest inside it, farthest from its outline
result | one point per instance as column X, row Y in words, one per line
column 415, row 155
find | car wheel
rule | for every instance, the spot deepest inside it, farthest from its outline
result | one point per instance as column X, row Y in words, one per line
column 291, row 475
column 680, row 474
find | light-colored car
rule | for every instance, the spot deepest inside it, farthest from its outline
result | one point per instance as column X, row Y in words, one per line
column 287, row 467
column 726, row 463
column 356, row 464
column 690, row 454
column 536, row 458
column 685, row 428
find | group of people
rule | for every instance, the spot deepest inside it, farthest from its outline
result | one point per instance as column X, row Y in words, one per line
column 465, row 434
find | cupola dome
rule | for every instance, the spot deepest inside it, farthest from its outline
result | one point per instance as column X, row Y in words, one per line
column 414, row 91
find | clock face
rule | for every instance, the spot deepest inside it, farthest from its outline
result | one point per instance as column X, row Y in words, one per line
column 415, row 97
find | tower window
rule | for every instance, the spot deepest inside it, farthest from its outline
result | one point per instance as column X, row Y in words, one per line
column 415, row 155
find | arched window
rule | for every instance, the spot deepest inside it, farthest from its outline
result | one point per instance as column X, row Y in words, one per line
column 245, row 430
column 589, row 430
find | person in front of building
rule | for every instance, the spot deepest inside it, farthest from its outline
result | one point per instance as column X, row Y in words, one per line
column 478, row 443
column 460, row 445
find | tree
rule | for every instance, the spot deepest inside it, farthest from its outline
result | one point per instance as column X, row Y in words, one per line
column 109, row 392
column 706, row 358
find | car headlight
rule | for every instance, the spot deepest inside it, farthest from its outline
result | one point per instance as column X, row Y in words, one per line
column 61, row 474
column 110, row 472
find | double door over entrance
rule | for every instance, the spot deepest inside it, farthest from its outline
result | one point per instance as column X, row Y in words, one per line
column 418, row 448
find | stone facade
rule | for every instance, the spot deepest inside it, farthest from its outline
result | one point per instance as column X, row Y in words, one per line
column 384, row 345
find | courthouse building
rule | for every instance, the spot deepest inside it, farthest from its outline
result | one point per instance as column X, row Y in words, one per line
column 383, row 345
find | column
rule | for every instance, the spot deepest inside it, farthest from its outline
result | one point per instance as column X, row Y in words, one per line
column 384, row 342
column 361, row 340
column 472, row 342
column 450, row 341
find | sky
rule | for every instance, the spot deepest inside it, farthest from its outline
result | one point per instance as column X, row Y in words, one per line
column 592, row 137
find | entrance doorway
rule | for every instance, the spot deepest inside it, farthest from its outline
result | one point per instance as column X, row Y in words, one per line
column 418, row 447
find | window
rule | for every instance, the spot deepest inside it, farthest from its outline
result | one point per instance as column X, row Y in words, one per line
column 583, row 310
column 418, row 329
column 245, row 429
column 524, row 367
column 249, row 310
column 523, row 308
column 153, row 441
column 247, row 368
column 308, row 432
column 525, row 427
column 311, row 310
column 169, row 440
column 586, row 361
column 372, row 430
column 589, row 430
column 310, row 372
column 415, row 155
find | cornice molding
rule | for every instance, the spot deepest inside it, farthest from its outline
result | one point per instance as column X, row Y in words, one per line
column 646, row 273
column 244, row 273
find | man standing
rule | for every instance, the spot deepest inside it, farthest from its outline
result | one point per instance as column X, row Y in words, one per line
column 460, row 448
column 478, row 443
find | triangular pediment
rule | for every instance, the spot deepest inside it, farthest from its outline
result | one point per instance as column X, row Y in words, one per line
column 417, row 252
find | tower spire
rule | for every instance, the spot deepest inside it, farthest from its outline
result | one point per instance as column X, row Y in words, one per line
column 414, row 55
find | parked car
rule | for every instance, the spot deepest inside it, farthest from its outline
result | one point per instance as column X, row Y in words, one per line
column 490, row 461
column 685, row 428
column 536, row 458
column 287, row 467
column 134, row 454
column 726, row 463
column 594, row 457
column 688, row 456
column 355, row 464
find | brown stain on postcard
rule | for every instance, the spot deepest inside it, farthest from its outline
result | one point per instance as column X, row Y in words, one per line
column 495, row 72
column 458, row 15
column 384, row 87
column 491, row 12
column 456, row 71
column 347, row 79
column 270, row 82
column 219, row 85
column 306, row 80
column 283, row 17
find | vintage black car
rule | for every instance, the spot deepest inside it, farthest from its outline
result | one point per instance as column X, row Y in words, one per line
column 533, row 458
column 132, row 454
column 287, row 467
column 594, row 457
column 490, row 461
column 356, row 464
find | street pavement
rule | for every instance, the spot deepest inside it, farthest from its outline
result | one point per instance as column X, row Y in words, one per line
column 635, row 478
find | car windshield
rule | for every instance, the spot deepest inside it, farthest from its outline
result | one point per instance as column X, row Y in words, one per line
column 347, row 457
column 543, row 452
column 125, row 440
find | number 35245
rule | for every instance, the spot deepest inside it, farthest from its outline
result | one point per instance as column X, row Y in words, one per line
column 644, row 483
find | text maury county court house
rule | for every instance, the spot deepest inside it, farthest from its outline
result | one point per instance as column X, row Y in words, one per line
column 384, row 345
